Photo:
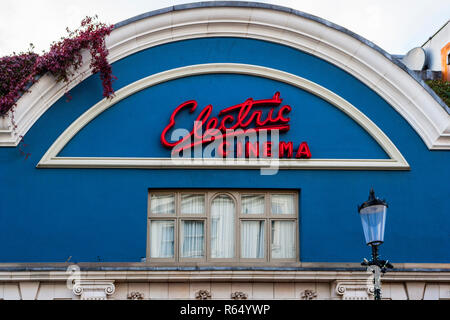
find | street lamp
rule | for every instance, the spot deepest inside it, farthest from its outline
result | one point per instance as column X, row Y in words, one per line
column 373, row 219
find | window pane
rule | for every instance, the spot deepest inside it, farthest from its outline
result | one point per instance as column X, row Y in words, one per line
column 252, row 239
column 163, row 204
column 162, row 239
column 192, row 204
column 192, row 239
column 253, row 204
column 222, row 227
column 283, row 239
column 283, row 204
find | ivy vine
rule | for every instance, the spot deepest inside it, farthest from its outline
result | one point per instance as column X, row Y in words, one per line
column 18, row 72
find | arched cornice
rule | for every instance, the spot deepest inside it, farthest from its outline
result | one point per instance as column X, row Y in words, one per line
column 409, row 96
column 396, row 161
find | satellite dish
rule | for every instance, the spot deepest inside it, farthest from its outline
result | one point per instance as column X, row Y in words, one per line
column 415, row 59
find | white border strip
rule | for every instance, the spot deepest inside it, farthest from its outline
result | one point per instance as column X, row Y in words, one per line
column 397, row 161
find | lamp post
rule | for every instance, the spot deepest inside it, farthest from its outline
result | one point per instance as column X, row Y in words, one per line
column 373, row 219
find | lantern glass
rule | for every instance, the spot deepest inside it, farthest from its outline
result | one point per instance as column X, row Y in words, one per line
column 373, row 219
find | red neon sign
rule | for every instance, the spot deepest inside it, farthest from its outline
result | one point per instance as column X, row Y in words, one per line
column 246, row 114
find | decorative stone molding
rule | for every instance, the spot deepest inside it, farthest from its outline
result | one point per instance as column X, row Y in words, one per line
column 357, row 56
column 430, row 273
column 135, row 296
column 239, row 296
column 94, row 290
column 308, row 295
column 354, row 290
column 6, row 132
column 203, row 295
column 29, row 290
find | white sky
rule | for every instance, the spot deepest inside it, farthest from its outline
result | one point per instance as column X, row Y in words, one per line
column 395, row 25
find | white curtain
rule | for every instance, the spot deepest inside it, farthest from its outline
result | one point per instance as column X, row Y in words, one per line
column 192, row 204
column 283, row 239
column 163, row 204
column 192, row 239
column 162, row 239
column 253, row 204
column 252, row 239
column 222, row 227
column 283, row 204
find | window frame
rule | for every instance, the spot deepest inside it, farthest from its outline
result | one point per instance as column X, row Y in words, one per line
column 183, row 259
column 285, row 217
column 236, row 195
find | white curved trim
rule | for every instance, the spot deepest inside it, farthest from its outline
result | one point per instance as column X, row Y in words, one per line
column 397, row 161
column 392, row 83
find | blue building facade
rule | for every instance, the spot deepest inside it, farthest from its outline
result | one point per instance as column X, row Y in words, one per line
column 98, row 214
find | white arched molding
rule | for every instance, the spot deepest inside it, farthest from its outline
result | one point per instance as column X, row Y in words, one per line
column 396, row 161
column 309, row 34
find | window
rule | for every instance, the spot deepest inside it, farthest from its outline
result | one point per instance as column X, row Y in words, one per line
column 222, row 227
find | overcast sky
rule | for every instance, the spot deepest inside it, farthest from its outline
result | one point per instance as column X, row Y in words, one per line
column 395, row 25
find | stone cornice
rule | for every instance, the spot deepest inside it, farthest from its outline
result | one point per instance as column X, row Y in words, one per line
column 233, row 276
